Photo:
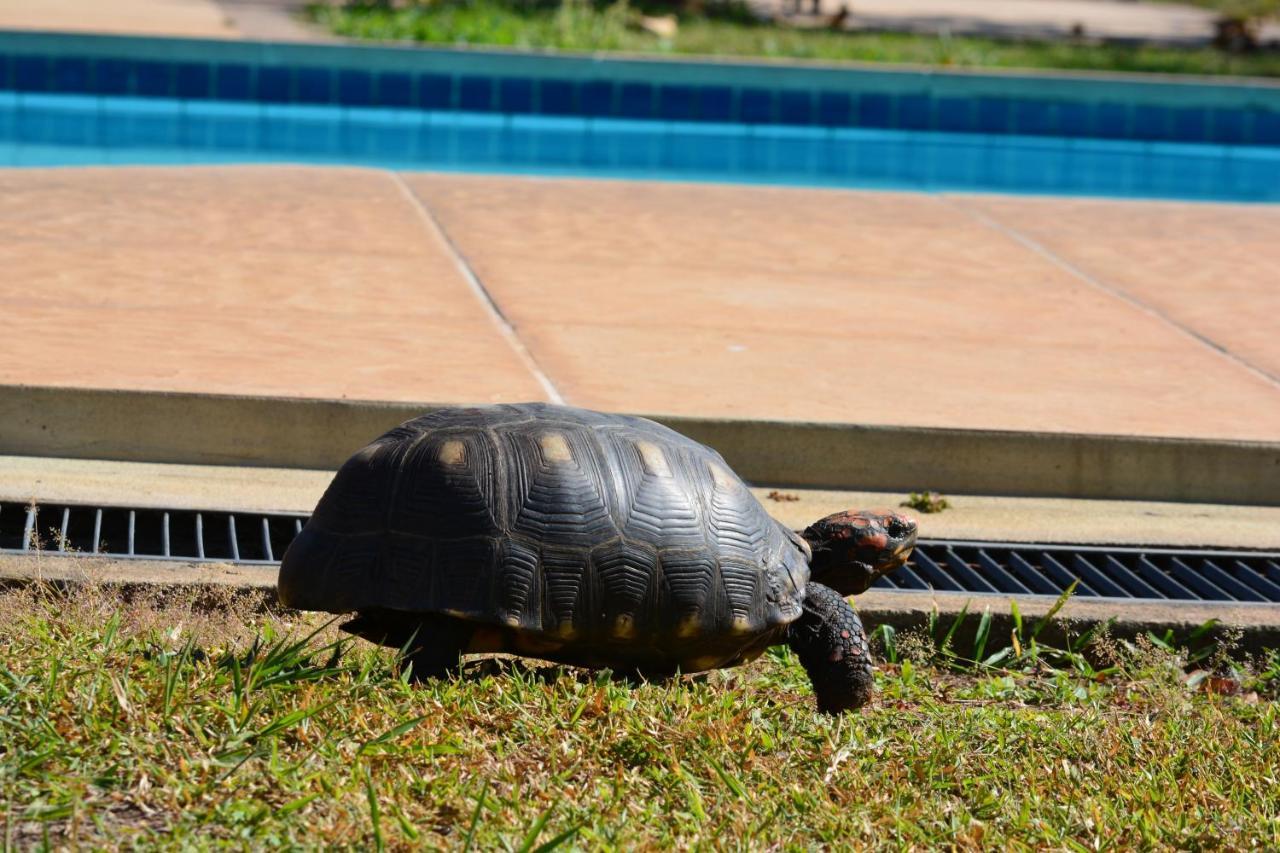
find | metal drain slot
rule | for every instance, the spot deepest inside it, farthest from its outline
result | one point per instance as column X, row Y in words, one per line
column 1103, row 572
column 992, row 568
column 146, row 533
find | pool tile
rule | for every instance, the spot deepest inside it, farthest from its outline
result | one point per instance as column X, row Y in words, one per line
column 875, row 111
column 1074, row 119
column 111, row 77
column 515, row 95
column 234, row 132
column 59, row 127
column 233, row 82
column 475, row 93
column 315, row 86
column 1227, row 127
column 1033, row 117
column 676, row 103
column 141, row 127
column 435, row 91
column 835, row 109
column 275, row 84
column 995, row 115
column 71, row 75
column 715, row 103
column 635, row 100
column 154, row 79
column 355, row 88
column 192, row 80
column 556, row 97
column 755, row 106
column 1266, row 127
column 374, row 139
column 595, row 98
column 915, row 112
column 795, row 107
column 393, row 89
column 1152, row 122
column 31, row 74
column 955, row 114
column 1111, row 121
column 1189, row 125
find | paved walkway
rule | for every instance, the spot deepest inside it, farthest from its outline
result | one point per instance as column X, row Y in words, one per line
column 269, row 20
column 1099, row 19
column 1090, row 316
column 191, row 18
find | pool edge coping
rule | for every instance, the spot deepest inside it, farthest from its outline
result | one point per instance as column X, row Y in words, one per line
column 319, row 433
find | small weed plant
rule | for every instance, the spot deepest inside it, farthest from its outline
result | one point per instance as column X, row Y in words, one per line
column 196, row 719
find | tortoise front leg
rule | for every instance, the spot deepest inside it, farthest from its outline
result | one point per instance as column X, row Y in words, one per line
column 832, row 647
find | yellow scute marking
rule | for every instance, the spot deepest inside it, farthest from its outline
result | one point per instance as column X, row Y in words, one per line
column 624, row 627
column 691, row 626
column 452, row 452
column 555, row 448
column 655, row 461
column 723, row 479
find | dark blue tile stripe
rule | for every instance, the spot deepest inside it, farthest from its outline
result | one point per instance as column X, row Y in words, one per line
column 919, row 111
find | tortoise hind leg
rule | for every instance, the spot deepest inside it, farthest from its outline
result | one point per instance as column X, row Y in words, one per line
column 433, row 645
column 437, row 650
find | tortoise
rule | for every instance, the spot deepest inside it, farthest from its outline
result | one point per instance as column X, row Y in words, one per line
column 590, row 539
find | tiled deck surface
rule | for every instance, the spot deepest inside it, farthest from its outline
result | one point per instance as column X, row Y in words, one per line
column 1148, row 318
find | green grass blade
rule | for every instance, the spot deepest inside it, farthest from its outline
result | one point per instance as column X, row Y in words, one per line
column 475, row 818
column 375, row 814
column 294, row 805
column 389, row 735
column 562, row 838
column 945, row 645
column 980, row 636
column 731, row 781
column 1043, row 622
column 531, row 837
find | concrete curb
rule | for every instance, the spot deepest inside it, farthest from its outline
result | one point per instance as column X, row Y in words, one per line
column 1258, row 625
column 189, row 428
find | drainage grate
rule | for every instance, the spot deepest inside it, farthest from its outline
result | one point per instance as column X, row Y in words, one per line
column 966, row 567
column 1102, row 571
column 147, row 533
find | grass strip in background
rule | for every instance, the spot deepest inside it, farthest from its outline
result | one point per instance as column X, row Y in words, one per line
column 728, row 30
column 183, row 720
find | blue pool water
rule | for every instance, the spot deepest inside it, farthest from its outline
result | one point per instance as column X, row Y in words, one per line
column 39, row 129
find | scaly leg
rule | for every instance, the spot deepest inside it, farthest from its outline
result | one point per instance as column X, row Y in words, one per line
column 832, row 647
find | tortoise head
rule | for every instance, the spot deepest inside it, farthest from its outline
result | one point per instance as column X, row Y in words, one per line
column 853, row 548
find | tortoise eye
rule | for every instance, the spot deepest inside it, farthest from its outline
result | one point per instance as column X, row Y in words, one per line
column 897, row 526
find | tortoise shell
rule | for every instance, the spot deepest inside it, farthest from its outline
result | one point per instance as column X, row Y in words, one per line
column 608, row 539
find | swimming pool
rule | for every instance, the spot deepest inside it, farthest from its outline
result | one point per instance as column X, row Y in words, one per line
column 60, row 130
column 75, row 100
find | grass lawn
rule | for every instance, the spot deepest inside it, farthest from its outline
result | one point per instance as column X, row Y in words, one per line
column 191, row 720
column 725, row 30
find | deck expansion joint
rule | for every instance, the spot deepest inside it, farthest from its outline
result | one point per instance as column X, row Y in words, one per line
column 469, row 275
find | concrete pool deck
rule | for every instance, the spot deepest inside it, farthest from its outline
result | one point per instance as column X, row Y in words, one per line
column 1146, row 318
